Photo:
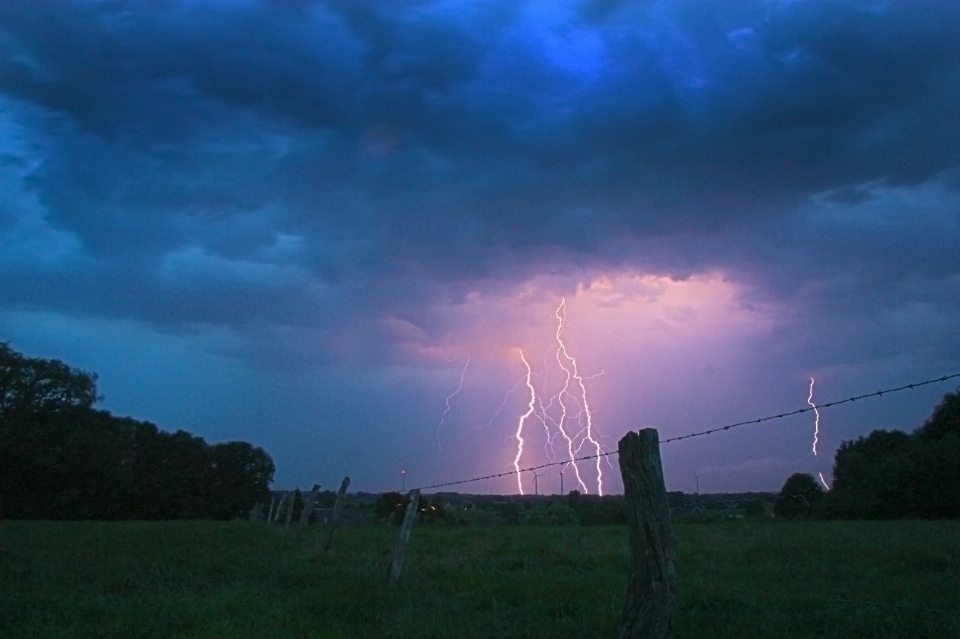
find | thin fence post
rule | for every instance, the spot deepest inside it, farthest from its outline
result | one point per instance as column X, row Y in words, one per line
column 255, row 512
column 273, row 502
column 406, row 528
column 650, row 602
column 290, row 505
column 308, row 503
column 280, row 505
column 336, row 512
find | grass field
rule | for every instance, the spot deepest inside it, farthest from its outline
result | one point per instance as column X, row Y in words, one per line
column 240, row 580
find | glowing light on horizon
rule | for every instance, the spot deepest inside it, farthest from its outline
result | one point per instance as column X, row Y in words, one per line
column 523, row 418
column 449, row 397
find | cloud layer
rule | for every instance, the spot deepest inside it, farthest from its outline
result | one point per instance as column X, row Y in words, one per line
column 358, row 184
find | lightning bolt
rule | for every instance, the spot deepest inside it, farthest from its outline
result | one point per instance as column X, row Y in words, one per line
column 566, row 385
column 502, row 404
column 523, row 418
column 816, row 422
column 816, row 429
column 449, row 397
column 573, row 372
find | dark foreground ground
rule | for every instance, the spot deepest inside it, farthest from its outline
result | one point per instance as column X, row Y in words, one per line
column 240, row 580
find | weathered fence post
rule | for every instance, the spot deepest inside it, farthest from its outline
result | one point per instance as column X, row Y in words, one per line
column 308, row 503
column 290, row 505
column 651, row 583
column 273, row 501
column 256, row 511
column 406, row 528
column 280, row 504
column 336, row 512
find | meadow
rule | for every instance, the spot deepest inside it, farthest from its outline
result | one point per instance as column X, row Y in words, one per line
column 240, row 580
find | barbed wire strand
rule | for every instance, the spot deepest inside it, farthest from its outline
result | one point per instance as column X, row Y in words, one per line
column 879, row 393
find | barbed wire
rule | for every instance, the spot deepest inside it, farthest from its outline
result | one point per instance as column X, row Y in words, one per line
column 879, row 393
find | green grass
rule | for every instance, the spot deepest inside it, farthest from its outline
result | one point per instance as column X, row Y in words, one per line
column 239, row 580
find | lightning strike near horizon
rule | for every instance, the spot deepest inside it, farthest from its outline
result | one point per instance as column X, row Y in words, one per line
column 816, row 421
column 523, row 418
column 816, row 429
column 449, row 397
column 573, row 372
column 560, row 405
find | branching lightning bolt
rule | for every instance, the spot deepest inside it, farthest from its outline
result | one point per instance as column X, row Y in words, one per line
column 523, row 418
column 449, row 397
column 574, row 373
column 563, row 392
column 816, row 429
column 566, row 413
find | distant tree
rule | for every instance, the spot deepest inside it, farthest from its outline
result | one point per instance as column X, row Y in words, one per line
column 388, row 506
column 560, row 513
column 241, row 476
column 944, row 422
column 798, row 496
column 30, row 385
column 62, row 459
column 677, row 498
column 893, row 474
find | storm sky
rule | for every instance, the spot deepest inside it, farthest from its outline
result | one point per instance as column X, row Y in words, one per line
column 302, row 223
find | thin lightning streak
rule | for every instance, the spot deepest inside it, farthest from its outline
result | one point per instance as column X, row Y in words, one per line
column 519, row 435
column 449, row 397
column 502, row 404
column 816, row 421
column 816, row 429
column 583, row 393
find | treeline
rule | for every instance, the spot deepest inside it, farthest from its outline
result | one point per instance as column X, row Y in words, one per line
column 888, row 474
column 573, row 508
column 60, row 458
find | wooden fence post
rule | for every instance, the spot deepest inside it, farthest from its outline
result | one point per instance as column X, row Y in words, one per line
column 273, row 502
column 290, row 504
column 336, row 512
column 651, row 583
column 256, row 511
column 308, row 502
column 280, row 504
column 406, row 528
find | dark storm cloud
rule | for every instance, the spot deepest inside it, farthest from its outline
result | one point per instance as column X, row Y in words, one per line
column 323, row 164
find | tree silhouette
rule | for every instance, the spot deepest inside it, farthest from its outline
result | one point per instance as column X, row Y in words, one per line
column 62, row 459
column 798, row 496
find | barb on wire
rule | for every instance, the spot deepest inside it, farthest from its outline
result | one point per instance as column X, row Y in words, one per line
column 878, row 393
